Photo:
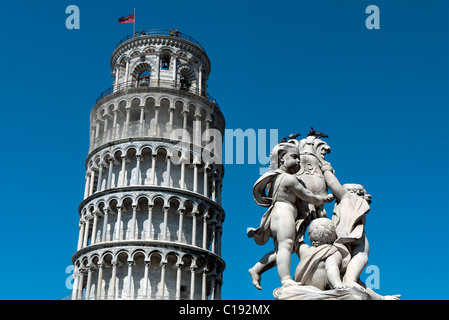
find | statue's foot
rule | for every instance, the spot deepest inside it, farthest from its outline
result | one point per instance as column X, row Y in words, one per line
column 290, row 282
column 355, row 285
column 256, row 278
column 392, row 297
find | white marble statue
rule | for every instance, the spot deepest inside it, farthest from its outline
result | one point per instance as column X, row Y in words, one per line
column 295, row 191
column 279, row 222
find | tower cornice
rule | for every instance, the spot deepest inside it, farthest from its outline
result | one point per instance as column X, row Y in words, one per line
column 156, row 189
column 156, row 244
column 105, row 98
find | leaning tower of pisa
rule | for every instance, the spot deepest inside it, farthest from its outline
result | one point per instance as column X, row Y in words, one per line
column 151, row 220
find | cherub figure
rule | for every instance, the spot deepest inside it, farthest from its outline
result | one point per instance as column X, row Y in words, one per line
column 351, row 206
column 279, row 222
column 320, row 263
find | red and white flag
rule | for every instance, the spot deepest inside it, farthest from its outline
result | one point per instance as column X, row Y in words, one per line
column 127, row 19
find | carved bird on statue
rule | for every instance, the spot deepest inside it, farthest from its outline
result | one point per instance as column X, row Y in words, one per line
column 317, row 134
column 290, row 136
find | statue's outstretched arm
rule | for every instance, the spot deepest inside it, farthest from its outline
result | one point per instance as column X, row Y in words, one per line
column 304, row 194
column 334, row 185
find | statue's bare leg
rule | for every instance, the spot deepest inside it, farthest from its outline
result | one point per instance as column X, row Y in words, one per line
column 283, row 229
column 359, row 260
column 267, row 262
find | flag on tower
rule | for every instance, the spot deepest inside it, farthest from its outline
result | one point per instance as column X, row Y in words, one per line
column 127, row 19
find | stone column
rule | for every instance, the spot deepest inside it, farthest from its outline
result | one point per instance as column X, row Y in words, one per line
column 156, row 119
column 218, row 237
column 114, row 278
column 125, row 132
column 158, row 72
column 86, row 230
column 212, row 285
column 169, row 125
column 153, row 169
column 185, row 132
column 105, row 224
column 127, row 72
column 150, row 217
column 206, row 180
column 118, row 224
column 105, row 128
column 214, row 189
column 89, row 282
column 204, row 282
column 97, row 129
column 94, row 227
column 194, row 228
column 175, row 70
column 200, row 80
column 114, row 125
column 92, row 182
column 212, row 249
column 130, row 274
column 205, row 216
column 134, row 224
column 100, row 177
column 192, row 281
column 208, row 122
column 181, row 222
column 195, row 177
column 81, row 234
column 219, row 192
column 168, row 183
column 139, row 175
column 79, row 295
column 197, row 129
column 178, row 281
column 100, row 280
column 145, row 278
column 163, row 265
column 165, row 223
column 183, row 174
column 110, row 167
column 123, row 172
column 117, row 74
column 86, row 186
column 142, row 120
column 76, row 281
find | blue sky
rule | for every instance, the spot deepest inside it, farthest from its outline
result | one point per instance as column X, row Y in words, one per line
column 381, row 96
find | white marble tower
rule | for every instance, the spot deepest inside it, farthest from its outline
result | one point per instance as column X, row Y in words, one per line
column 151, row 219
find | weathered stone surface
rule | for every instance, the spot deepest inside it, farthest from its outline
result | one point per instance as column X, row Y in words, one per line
column 312, row 293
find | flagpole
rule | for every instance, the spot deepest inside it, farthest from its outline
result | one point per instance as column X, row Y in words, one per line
column 134, row 24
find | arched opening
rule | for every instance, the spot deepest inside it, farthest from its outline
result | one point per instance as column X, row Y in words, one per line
column 142, row 74
column 165, row 60
column 184, row 81
column 121, row 281
column 144, row 77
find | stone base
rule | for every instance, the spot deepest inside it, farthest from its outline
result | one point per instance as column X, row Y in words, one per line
column 312, row 293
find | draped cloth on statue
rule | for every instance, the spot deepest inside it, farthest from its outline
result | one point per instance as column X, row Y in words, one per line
column 309, row 262
column 349, row 218
column 267, row 182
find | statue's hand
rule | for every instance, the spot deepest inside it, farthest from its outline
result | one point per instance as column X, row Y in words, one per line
column 329, row 198
column 326, row 166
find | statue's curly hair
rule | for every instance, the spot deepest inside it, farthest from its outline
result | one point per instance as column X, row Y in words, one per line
column 322, row 231
column 278, row 152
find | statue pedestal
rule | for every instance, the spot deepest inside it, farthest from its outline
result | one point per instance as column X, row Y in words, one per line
column 312, row 293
